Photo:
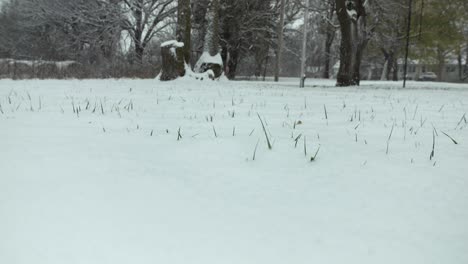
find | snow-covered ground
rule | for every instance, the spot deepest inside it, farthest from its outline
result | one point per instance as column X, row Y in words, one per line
column 93, row 172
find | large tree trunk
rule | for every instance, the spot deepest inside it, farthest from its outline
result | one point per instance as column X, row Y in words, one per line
column 213, row 41
column 357, row 64
column 138, row 36
column 346, row 47
column 395, row 68
column 385, row 71
column 176, row 54
column 330, row 37
column 139, row 53
column 465, row 70
column 230, row 56
column 352, row 18
column 440, row 64
column 460, row 64
column 259, row 61
column 211, row 58
column 184, row 27
column 389, row 65
column 232, row 63
column 328, row 44
column 265, row 68
column 280, row 41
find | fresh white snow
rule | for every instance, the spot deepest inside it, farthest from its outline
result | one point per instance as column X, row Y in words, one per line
column 206, row 58
column 85, row 183
column 174, row 43
column 60, row 64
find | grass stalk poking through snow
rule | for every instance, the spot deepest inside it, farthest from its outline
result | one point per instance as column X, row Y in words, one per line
column 102, row 108
column 389, row 137
column 433, row 145
column 255, row 150
column 265, row 131
column 453, row 140
column 305, row 146
column 313, row 158
column 415, row 111
column 461, row 120
column 325, row 111
column 297, row 140
column 179, row 135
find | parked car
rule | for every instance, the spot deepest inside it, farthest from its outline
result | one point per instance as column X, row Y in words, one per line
column 427, row 76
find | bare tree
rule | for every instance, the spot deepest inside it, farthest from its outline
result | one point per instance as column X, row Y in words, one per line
column 329, row 29
column 145, row 19
column 250, row 27
column 66, row 29
column 390, row 34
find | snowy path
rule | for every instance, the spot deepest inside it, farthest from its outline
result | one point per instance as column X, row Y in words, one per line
column 85, row 183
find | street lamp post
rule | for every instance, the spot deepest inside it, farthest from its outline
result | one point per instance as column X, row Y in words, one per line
column 408, row 30
column 304, row 45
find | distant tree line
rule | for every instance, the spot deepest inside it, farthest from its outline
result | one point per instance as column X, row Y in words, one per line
column 122, row 38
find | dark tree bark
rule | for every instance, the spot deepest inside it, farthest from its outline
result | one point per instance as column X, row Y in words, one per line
column 356, row 79
column 230, row 56
column 328, row 44
column 346, row 47
column 330, row 37
column 279, row 48
column 173, row 61
column 395, row 69
column 465, row 70
column 386, row 68
column 391, row 62
column 352, row 18
column 265, row 68
column 176, row 54
column 139, row 52
column 460, row 65
column 390, row 65
column 440, row 63
column 211, row 44
column 184, row 27
column 408, row 30
column 138, row 33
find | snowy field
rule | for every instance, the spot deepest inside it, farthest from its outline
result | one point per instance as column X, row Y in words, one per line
column 137, row 171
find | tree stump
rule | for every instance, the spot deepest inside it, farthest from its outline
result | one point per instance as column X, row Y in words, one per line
column 173, row 62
